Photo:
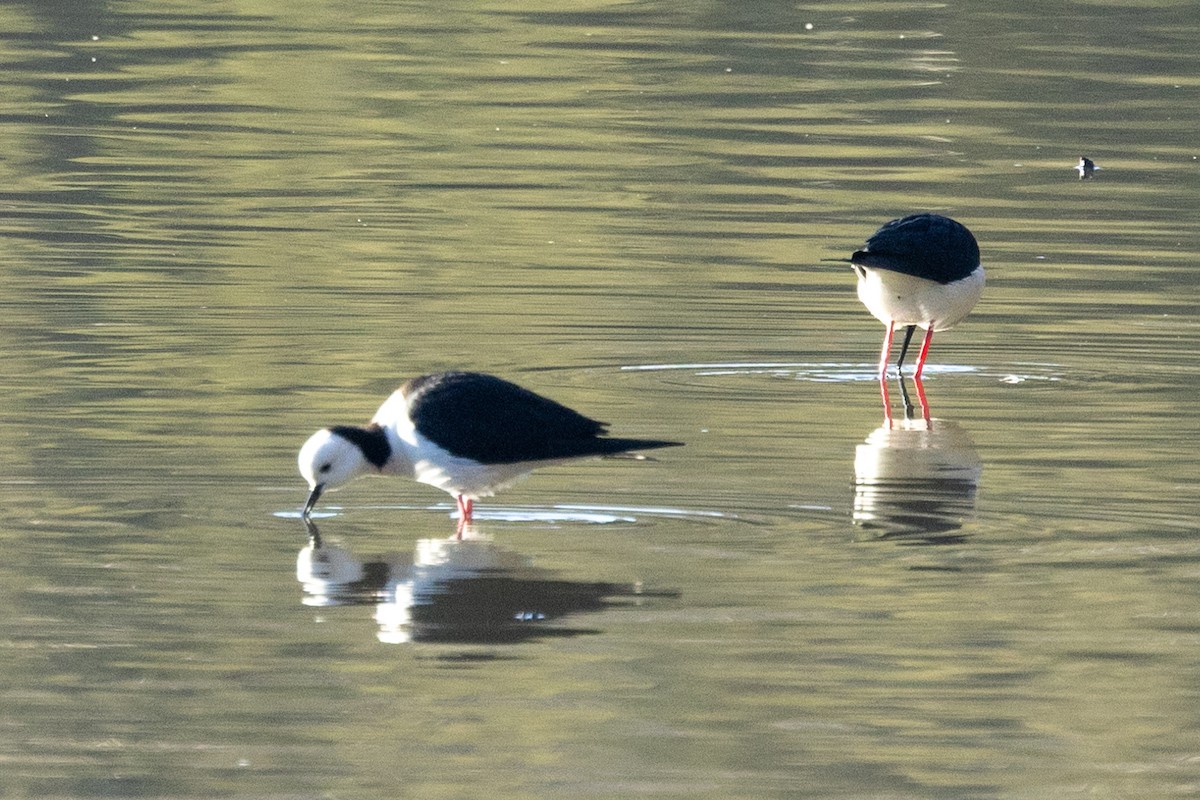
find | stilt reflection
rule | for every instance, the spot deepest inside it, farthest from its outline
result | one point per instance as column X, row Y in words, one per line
column 461, row 590
column 915, row 479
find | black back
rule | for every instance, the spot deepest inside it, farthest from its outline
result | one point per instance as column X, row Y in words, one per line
column 493, row 421
column 925, row 245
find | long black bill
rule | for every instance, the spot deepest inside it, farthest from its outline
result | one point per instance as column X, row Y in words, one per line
column 313, row 496
column 314, row 534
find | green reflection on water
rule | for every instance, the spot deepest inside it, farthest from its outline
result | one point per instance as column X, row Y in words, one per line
column 237, row 224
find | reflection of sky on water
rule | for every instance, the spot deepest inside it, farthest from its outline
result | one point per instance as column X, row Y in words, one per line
column 830, row 372
column 564, row 513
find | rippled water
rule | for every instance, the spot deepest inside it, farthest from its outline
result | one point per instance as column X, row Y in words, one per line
column 227, row 225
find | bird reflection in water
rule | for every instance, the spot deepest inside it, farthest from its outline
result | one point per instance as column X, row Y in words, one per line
column 916, row 479
column 905, row 399
column 466, row 590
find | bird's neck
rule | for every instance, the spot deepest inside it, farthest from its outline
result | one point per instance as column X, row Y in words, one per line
column 372, row 441
column 400, row 449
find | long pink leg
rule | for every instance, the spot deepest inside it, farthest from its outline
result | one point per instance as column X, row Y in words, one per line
column 887, row 350
column 887, row 402
column 924, row 352
column 465, row 506
column 925, row 412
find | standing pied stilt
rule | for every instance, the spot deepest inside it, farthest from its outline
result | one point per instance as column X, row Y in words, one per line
column 467, row 433
column 919, row 271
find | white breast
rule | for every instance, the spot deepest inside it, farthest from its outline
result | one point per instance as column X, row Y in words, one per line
column 436, row 467
column 909, row 300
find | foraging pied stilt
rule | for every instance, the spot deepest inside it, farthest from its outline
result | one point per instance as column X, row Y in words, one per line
column 467, row 433
column 1086, row 168
column 919, row 271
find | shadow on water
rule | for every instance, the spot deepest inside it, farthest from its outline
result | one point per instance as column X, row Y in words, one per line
column 915, row 478
column 464, row 591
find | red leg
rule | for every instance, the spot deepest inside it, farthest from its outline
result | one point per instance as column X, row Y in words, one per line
column 887, row 401
column 925, row 413
column 924, row 352
column 465, row 505
column 887, row 350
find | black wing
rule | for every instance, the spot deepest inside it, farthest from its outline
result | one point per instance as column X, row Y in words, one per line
column 926, row 245
column 493, row 421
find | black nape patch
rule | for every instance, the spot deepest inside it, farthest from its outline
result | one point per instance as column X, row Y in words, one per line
column 371, row 440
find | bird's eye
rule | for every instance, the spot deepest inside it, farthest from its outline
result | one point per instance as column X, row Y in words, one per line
column 325, row 468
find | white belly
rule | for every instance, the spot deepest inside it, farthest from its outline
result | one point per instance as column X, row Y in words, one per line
column 893, row 297
column 467, row 478
column 423, row 460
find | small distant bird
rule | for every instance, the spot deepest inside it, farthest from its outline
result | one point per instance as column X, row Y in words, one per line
column 1086, row 167
column 467, row 433
column 919, row 271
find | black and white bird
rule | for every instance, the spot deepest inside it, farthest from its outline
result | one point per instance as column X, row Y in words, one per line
column 1086, row 168
column 919, row 271
column 466, row 433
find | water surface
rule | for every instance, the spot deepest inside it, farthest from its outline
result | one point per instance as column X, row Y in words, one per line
column 229, row 225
